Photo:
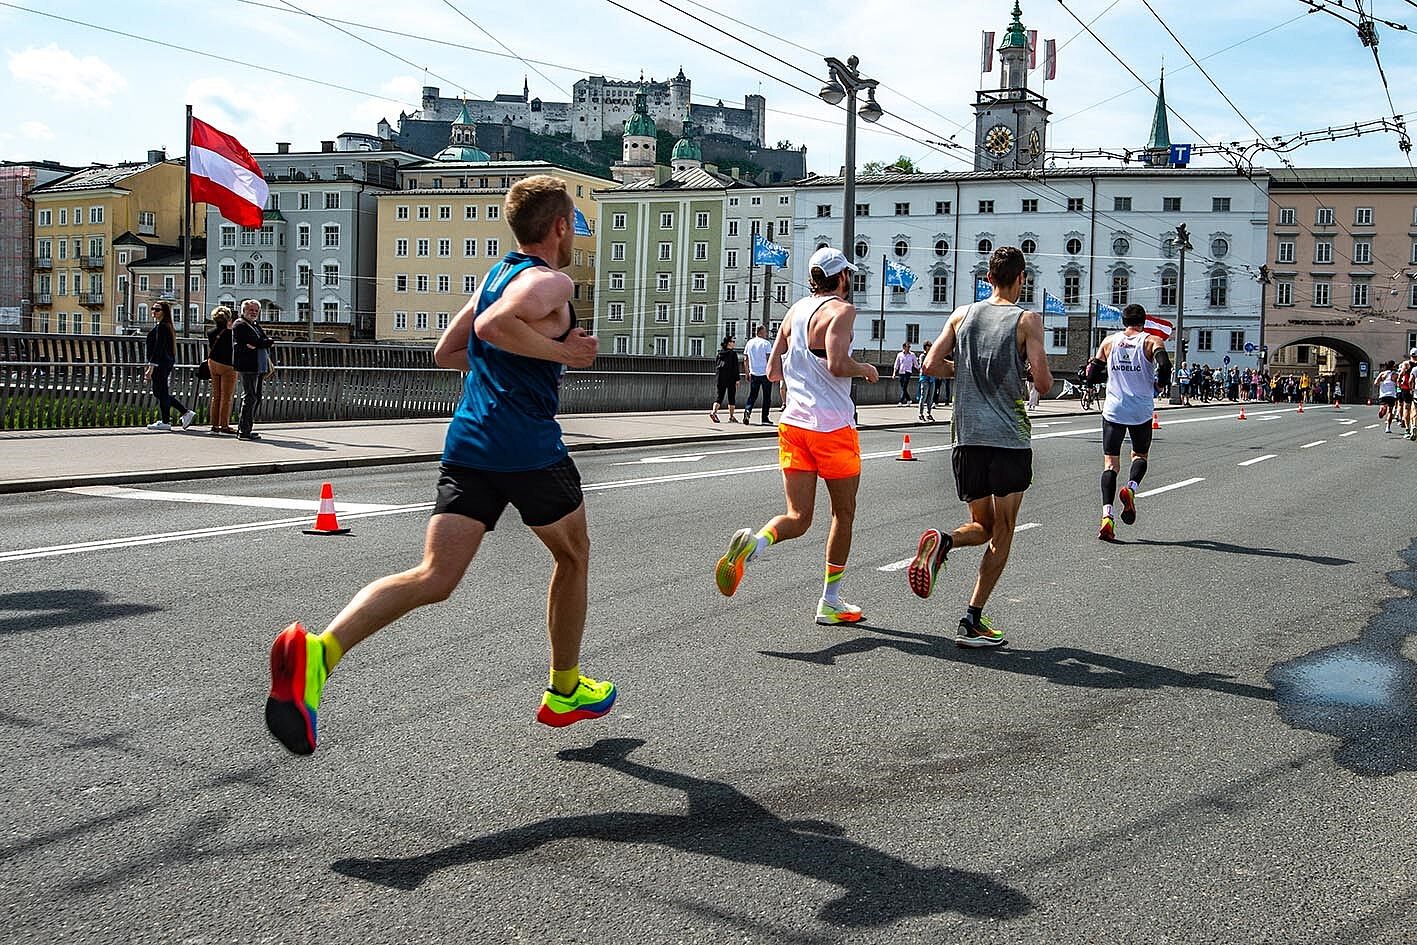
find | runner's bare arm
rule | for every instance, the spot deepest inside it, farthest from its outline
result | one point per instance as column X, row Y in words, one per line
column 1031, row 326
column 532, row 297
column 779, row 348
column 937, row 361
column 451, row 351
column 839, row 360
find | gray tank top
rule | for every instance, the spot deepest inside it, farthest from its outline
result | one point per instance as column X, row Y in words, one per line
column 989, row 379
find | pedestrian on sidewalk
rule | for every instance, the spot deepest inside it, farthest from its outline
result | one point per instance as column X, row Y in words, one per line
column 926, row 390
column 726, row 377
column 905, row 364
column 756, row 353
column 252, row 361
column 219, row 357
column 162, row 358
column 513, row 340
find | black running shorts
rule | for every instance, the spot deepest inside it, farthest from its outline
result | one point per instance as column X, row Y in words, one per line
column 542, row 496
column 982, row 471
column 1404, row 396
column 1112, row 434
column 1387, row 401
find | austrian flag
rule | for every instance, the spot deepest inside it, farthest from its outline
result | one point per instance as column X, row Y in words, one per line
column 226, row 176
column 1159, row 327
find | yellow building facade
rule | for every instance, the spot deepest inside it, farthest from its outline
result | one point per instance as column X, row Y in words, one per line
column 82, row 282
column 441, row 232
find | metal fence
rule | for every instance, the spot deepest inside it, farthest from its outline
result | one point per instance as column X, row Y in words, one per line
column 62, row 381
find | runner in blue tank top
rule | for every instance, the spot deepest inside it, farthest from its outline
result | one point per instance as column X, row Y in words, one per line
column 514, row 340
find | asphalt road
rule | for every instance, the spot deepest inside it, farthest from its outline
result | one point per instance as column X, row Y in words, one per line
column 1205, row 733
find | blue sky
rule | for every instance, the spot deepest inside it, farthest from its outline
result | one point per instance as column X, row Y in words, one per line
column 78, row 95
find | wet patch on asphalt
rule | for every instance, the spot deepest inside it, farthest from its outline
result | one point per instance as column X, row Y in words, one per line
column 1363, row 692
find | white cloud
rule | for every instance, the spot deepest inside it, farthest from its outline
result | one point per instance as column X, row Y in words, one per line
column 258, row 114
column 400, row 89
column 36, row 131
column 67, row 77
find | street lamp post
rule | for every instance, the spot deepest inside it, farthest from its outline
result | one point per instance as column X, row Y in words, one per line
column 1183, row 243
column 844, row 83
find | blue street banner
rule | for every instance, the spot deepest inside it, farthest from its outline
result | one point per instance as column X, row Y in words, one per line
column 766, row 253
column 982, row 290
column 1052, row 305
column 1108, row 316
column 898, row 274
column 582, row 227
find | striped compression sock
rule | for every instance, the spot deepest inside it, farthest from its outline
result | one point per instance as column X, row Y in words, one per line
column 831, row 587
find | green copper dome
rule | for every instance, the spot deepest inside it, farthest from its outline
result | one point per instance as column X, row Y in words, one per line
column 463, row 153
column 686, row 148
column 640, row 123
column 1017, row 35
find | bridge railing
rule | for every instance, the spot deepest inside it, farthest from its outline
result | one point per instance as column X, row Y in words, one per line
column 61, row 381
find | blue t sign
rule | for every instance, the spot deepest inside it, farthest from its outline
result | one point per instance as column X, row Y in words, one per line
column 1180, row 155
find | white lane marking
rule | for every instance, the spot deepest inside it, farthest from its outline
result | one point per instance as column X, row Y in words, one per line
column 1349, row 433
column 904, row 563
column 1313, row 444
column 1347, row 422
column 697, row 456
column 663, row 459
column 1267, row 417
column 1372, row 426
column 1259, row 459
column 1175, row 485
column 200, row 498
column 164, row 537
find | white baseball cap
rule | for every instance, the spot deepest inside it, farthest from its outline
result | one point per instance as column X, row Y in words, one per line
column 830, row 261
column 1412, row 353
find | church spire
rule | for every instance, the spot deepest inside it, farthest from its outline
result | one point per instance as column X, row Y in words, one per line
column 526, row 89
column 1158, row 144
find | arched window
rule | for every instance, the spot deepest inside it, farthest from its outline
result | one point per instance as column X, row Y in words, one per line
column 862, row 248
column 248, row 273
column 1219, row 290
column 986, row 246
column 1029, row 247
column 1074, row 246
column 268, row 274
column 942, row 248
column 1030, row 283
column 1121, row 246
column 1121, row 288
column 1219, row 247
column 1169, row 285
column 939, row 287
column 902, row 248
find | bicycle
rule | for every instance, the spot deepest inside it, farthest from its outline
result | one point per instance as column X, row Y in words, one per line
column 1091, row 394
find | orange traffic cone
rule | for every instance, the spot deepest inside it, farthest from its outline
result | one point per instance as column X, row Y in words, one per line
column 1335, row 403
column 325, row 522
column 905, row 455
column 1301, row 406
column 1155, row 423
column 1242, row 412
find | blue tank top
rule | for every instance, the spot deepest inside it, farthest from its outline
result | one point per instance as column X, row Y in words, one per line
column 506, row 420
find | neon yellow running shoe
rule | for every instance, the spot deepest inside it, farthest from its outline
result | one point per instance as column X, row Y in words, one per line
column 728, row 573
column 590, row 700
column 298, row 677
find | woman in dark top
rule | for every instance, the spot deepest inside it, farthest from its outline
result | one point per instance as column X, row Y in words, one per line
column 219, row 357
column 252, row 361
column 726, row 374
column 162, row 357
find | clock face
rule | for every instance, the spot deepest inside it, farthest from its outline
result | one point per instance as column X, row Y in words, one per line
column 999, row 140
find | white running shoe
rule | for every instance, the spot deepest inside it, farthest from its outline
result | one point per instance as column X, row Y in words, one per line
column 160, row 425
column 841, row 612
column 187, row 418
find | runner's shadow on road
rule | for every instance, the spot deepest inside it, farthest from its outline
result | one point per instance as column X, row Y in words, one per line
column 47, row 610
column 1064, row 665
column 723, row 822
column 295, row 445
column 1205, row 544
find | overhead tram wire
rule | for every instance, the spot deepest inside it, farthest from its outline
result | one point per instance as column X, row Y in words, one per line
column 1245, row 118
column 373, row 45
column 205, row 54
column 459, row 11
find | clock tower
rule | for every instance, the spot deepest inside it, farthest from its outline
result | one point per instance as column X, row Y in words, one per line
column 1011, row 122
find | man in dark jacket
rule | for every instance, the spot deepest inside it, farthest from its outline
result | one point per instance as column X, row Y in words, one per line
column 252, row 361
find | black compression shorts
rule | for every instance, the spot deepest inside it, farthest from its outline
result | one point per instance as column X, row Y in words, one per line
column 542, row 496
column 982, row 471
column 1113, row 433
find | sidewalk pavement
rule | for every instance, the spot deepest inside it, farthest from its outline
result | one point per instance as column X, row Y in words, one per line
column 60, row 459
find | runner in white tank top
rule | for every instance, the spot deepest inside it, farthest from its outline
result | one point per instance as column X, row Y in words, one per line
column 817, row 433
column 1137, row 364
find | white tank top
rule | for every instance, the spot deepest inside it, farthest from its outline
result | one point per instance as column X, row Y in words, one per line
column 1131, row 381
column 816, row 400
column 1387, row 387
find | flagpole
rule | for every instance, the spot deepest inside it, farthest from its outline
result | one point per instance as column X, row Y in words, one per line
column 881, row 348
column 187, row 230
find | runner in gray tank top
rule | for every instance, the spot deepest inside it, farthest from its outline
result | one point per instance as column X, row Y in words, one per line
column 1136, row 367
column 987, row 347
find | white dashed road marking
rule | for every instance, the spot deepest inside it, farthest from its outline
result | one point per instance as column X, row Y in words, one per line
column 1175, row 485
column 1259, row 459
column 1313, row 444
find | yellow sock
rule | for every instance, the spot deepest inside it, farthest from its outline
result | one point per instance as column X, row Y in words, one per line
column 565, row 681
column 333, row 651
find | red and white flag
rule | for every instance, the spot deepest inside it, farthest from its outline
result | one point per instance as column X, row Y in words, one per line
column 1050, row 59
column 226, row 176
column 1159, row 327
column 986, row 56
column 1032, row 49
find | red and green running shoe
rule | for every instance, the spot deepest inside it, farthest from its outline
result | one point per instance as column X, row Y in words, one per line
column 298, row 676
column 590, row 700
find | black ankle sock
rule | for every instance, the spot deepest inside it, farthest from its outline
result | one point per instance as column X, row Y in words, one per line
column 947, row 542
column 972, row 614
column 1109, row 486
column 1138, row 471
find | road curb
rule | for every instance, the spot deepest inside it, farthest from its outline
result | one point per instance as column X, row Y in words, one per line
column 397, row 459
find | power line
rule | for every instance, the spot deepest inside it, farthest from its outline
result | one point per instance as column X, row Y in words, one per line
column 459, row 11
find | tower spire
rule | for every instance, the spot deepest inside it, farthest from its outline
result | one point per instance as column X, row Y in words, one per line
column 1158, row 144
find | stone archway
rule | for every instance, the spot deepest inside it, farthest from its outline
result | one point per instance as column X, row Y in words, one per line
column 1355, row 367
